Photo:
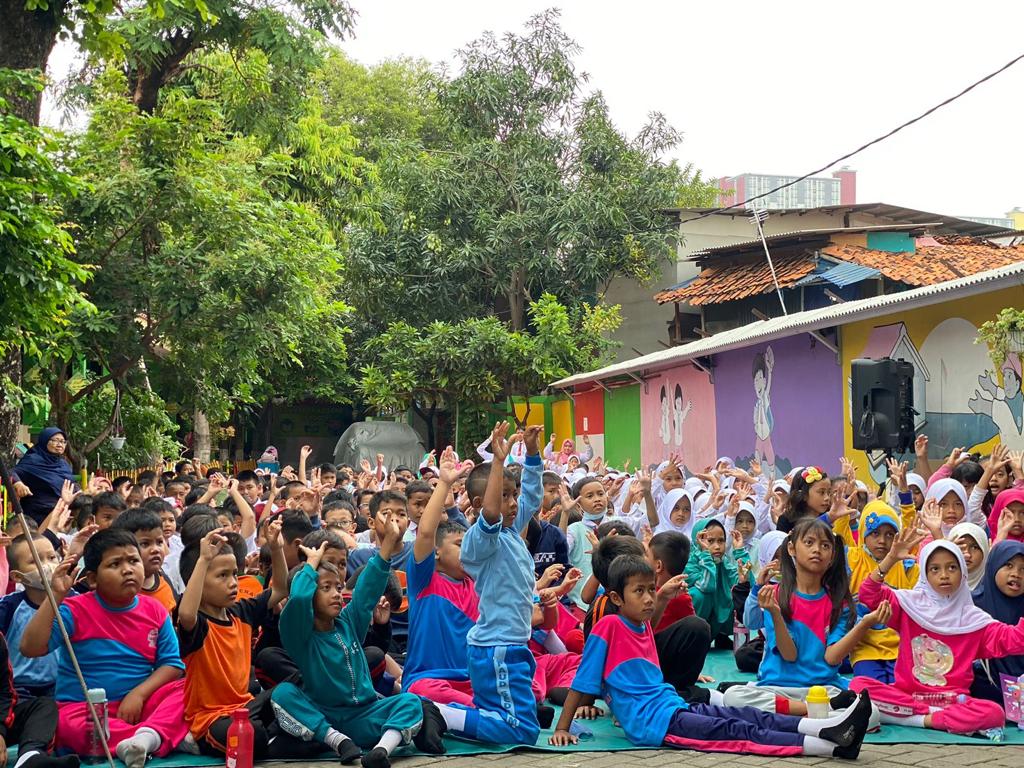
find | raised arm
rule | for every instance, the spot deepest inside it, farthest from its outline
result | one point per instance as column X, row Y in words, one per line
column 448, row 474
column 188, row 608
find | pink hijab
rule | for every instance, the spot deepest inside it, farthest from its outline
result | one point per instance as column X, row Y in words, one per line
column 567, row 452
column 1004, row 498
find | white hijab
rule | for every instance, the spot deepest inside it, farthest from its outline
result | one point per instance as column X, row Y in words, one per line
column 665, row 512
column 770, row 544
column 976, row 533
column 953, row 615
column 938, row 491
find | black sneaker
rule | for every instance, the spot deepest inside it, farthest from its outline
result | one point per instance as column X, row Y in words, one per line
column 429, row 738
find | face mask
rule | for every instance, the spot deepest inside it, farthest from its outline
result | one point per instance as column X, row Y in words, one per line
column 593, row 516
column 33, row 580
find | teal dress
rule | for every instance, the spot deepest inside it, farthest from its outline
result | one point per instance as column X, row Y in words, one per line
column 710, row 583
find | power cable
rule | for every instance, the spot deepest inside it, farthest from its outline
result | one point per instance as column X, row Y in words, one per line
column 861, row 148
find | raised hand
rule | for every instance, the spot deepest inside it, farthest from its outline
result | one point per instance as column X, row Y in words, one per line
column 67, row 492
column 880, row 615
column 500, row 447
column 672, row 588
column 550, row 576
column 778, row 507
column 737, row 539
column 212, row 542
column 931, row 518
column 382, row 611
column 769, row 572
column 273, row 534
column 643, row 481
column 921, row 445
column 906, row 542
column 572, row 578
column 314, row 556
column 898, row 473
column 768, row 602
column 1006, row 521
column 305, row 452
column 957, row 456
column 531, row 440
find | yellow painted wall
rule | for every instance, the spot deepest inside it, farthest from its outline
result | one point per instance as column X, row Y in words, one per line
column 562, row 418
column 942, row 336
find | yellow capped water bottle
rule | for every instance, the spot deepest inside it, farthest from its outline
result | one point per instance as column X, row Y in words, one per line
column 817, row 702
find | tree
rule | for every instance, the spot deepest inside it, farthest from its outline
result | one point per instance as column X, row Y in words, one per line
column 477, row 361
column 240, row 288
column 527, row 187
column 39, row 277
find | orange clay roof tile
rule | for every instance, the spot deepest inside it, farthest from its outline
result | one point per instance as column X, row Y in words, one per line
column 941, row 259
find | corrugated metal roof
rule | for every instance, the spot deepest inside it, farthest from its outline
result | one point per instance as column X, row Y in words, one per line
column 801, row 322
column 800, row 235
column 840, row 275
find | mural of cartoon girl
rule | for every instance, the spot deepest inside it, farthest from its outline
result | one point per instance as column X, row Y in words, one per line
column 764, row 422
column 679, row 414
column 664, row 430
column 1005, row 404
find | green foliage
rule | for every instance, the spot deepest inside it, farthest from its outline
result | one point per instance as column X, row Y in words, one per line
column 207, row 266
column 39, row 278
column 149, row 429
column 479, row 360
column 526, row 186
column 996, row 334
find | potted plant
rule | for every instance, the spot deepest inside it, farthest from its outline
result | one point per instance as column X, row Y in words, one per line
column 117, row 437
column 1003, row 334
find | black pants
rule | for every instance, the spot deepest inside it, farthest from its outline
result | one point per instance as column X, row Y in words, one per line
column 682, row 649
column 269, row 741
column 34, row 725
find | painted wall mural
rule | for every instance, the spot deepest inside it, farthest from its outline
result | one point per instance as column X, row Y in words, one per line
column 677, row 415
column 780, row 403
column 960, row 398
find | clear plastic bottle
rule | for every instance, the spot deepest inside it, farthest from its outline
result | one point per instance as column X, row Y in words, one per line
column 941, row 698
column 817, row 701
column 96, row 699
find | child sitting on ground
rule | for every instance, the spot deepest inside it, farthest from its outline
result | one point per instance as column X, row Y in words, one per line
column 618, row 665
column 941, row 634
column 711, row 574
column 144, row 688
column 216, row 631
column 337, row 704
column 148, row 530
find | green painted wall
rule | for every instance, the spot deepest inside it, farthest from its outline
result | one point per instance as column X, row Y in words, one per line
column 622, row 425
column 894, row 242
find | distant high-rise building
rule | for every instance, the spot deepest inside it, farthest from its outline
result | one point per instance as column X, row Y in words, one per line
column 813, row 192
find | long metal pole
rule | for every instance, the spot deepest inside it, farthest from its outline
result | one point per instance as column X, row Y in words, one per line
column 767, row 255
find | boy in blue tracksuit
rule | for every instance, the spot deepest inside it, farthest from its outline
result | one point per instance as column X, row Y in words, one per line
column 495, row 556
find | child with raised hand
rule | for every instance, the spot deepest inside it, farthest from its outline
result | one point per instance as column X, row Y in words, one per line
column 592, row 499
column 619, row 666
column 942, row 633
column 443, row 604
column 337, row 704
column 144, row 687
column 809, row 623
column 711, row 574
column 494, row 555
column 215, row 631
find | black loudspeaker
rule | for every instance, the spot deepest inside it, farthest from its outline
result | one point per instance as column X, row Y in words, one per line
column 883, row 405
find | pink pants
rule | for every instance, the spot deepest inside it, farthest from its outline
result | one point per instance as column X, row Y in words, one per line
column 968, row 717
column 554, row 671
column 164, row 712
column 444, row 691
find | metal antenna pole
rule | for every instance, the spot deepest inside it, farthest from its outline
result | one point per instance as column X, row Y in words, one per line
column 51, row 598
column 756, row 218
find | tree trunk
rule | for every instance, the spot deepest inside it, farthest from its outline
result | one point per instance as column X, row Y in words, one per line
column 201, row 437
column 516, row 299
column 26, row 40
column 10, row 414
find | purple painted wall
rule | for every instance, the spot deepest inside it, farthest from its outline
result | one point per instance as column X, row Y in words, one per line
column 798, row 417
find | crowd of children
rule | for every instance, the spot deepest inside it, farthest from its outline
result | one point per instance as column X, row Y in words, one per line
column 355, row 610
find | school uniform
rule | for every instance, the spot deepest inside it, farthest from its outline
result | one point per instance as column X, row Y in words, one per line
column 337, row 691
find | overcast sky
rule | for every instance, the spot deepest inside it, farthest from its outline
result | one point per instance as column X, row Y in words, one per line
column 781, row 87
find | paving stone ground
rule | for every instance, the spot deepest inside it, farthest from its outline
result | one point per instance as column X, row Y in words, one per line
column 872, row 756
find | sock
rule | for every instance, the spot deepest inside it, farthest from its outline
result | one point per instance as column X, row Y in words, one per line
column 133, row 751
column 376, row 758
column 815, row 746
column 347, row 749
column 717, row 698
column 454, row 717
column 36, row 759
column 389, row 740
column 846, row 727
column 842, row 700
column 813, row 726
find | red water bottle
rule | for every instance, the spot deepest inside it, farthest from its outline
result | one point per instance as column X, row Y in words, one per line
column 240, row 737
